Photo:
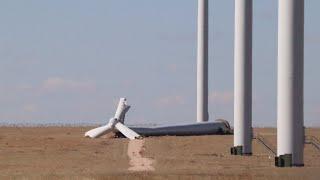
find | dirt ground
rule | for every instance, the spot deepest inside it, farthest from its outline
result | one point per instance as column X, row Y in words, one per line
column 63, row 153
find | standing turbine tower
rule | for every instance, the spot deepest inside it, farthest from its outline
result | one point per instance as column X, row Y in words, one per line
column 243, row 78
column 202, row 62
column 290, row 131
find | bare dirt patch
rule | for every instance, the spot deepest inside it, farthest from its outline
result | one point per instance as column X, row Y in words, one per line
column 63, row 153
column 137, row 161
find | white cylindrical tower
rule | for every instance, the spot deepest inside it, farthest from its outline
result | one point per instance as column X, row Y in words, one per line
column 202, row 62
column 243, row 77
column 290, row 127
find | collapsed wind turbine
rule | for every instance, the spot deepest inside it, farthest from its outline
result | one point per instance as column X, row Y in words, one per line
column 115, row 123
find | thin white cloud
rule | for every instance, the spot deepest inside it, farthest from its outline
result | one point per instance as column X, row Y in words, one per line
column 221, row 97
column 316, row 110
column 172, row 68
column 313, row 39
column 170, row 101
column 54, row 84
column 31, row 108
column 51, row 84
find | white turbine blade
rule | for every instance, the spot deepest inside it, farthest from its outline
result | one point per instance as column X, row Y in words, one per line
column 127, row 131
column 100, row 131
column 123, row 114
column 121, row 107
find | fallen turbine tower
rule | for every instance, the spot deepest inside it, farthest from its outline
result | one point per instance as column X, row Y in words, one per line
column 116, row 124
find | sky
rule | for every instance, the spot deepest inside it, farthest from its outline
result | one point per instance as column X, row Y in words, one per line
column 69, row 62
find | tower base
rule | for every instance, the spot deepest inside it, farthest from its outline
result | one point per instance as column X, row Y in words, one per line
column 285, row 161
column 238, row 150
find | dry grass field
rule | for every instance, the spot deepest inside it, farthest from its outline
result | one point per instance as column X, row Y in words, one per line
column 63, row 153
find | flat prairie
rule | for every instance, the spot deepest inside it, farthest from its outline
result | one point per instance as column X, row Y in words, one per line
column 63, row 153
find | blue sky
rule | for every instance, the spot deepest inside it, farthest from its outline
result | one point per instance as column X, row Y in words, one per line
column 70, row 61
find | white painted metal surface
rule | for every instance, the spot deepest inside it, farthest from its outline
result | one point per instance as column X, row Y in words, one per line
column 115, row 123
column 122, row 109
column 100, row 131
column 243, row 75
column 202, row 62
column 127, row 132
column 290, row 127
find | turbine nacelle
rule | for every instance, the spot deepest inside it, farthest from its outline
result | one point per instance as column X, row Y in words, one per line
column 112, row 122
